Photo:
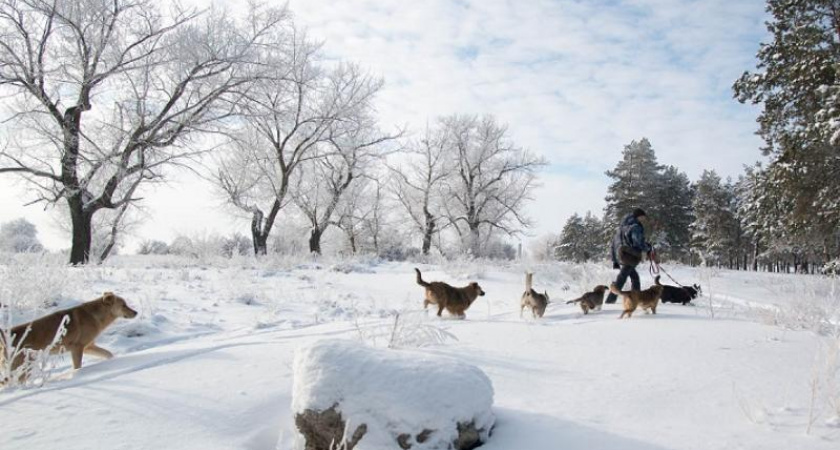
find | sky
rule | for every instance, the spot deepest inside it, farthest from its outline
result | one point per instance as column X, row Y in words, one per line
column 574, row 80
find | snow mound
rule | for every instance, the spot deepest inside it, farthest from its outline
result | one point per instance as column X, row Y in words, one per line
column 412, row 399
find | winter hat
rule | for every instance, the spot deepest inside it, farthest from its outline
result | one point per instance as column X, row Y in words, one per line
column 638, row 212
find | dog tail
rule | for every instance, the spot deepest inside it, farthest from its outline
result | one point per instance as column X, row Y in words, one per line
column 615, row 290
column 574, row 301
column 420, row 278
column 656, row 280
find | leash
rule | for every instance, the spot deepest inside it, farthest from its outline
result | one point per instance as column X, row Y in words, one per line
column 655, row 268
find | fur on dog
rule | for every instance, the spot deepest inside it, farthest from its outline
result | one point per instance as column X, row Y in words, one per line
column 533, row 299
column 86, row 322
column 647, row 299
column 455, row 300
column 684, row 294
column 591, row 300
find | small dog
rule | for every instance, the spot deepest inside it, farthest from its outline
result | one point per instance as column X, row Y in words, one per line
column 684, row 294
column 533, row 299
column 591, row 300
column 647, row 299
column 86, row 322
column 455, row 300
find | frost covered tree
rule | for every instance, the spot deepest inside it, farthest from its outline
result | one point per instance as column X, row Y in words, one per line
column 797, row 82
column 349, row 153
column 19, row 236
column 419, row 183
column 492, row 182
column 287, row 117
column 110, row 91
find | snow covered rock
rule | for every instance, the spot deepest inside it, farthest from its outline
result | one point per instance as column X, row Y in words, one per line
column 376, row 399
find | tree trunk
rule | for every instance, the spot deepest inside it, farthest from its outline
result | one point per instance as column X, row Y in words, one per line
column 315, row 241
column 81, row 221
column 258, row 238
column 475, row 244
column 427, row 234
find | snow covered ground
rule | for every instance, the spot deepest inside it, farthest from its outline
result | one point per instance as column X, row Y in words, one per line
column 208, row 362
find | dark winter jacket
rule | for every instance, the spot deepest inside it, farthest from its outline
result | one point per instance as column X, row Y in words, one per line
column 632, row 234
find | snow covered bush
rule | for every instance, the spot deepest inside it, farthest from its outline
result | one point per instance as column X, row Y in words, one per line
column 346, row 395
column 19, row 236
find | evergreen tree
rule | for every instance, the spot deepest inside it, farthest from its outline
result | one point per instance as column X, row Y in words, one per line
column 663, row 192
column 572, row 247
column 674, row 214
column 715, row 230
column 636, row 179
column 798, row 85
column 596, row 247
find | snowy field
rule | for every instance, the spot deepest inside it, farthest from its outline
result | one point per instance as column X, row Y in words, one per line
column 207, row 364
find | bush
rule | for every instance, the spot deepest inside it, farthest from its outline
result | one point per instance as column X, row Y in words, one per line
column 19, row 236
column 153, row 247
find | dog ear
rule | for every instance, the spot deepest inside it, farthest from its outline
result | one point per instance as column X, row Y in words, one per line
column 109, row 297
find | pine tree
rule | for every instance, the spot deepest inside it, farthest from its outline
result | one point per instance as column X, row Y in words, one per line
column 635, row 181
column 663, row 192
column 572, row 247
column 716, row 229
column 674, row 214
column 797, row 81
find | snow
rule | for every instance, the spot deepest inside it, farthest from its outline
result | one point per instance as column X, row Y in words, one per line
column 392, row 392
column 201, row 369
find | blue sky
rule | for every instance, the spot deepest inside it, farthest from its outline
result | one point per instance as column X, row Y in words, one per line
column 575, row 81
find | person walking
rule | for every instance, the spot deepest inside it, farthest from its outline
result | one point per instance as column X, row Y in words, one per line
column 627, row 248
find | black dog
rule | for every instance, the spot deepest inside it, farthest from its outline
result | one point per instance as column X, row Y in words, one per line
column 674, row 294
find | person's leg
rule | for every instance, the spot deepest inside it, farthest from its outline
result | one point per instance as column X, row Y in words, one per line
column 619, row 281
column 634, row 279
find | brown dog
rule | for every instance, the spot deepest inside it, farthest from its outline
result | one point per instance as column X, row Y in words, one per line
column 85, row 323
column 591, row 300
column 533, row 299
column 455, row 300
column 647, row 299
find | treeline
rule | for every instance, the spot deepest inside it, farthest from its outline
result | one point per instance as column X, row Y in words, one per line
column 290, row 136
column 737, row 224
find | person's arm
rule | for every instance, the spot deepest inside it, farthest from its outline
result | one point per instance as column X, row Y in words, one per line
column 637, row 235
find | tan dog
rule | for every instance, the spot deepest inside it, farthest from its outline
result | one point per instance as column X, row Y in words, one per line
column 647, row 299
column 455, row 300
column 86, row 322
column 591, row 300
column 533, row 299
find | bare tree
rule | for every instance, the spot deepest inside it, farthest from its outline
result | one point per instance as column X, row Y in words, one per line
column 492, row 183
column 112, row 90
column 287, row 118
column 419, row 183
column 353, row 146
column 361, row 215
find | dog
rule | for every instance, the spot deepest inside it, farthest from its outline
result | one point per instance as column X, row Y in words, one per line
column 83, row 325
column 533, row 299
column 647, row 299
column 455, row 300
column 591, row 300
column 684, row 294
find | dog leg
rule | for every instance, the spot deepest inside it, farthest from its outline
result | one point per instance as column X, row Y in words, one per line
column 76, row 353
column 440, row 310
column 96, row 350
